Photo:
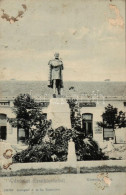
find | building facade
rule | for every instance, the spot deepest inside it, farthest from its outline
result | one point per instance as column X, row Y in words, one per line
column 90, row 111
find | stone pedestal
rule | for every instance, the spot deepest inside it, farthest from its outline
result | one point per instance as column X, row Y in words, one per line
column 59, row 112
column 71, row 158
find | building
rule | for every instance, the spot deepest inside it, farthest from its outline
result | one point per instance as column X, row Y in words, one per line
column 91, row 108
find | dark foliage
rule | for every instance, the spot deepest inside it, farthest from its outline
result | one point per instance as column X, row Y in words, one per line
column 112, row 118
column 75, row 114
column 28, row 117
column 37, row 153
column 88, row 149
column 60, row 138
column 55, row 148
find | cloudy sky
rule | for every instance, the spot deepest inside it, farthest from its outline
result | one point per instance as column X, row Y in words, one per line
column 88, row 34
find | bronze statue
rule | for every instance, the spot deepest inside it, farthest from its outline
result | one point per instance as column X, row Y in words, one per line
column 55, row 74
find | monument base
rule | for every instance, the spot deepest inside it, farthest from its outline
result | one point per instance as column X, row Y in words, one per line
column 71, row 158
column 59, row 112
column 71, row 152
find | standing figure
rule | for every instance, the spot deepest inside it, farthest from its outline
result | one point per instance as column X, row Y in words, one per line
column 55, row 74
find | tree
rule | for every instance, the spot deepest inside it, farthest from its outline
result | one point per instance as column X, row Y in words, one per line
column 112, row 118
column 28, row 116
column 75, row 114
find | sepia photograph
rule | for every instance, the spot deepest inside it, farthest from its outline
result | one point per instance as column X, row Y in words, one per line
column 62, row 97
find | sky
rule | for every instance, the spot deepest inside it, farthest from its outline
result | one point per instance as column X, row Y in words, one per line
column 88, row 34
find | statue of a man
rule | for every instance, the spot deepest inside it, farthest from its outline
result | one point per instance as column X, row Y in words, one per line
column 55, row 74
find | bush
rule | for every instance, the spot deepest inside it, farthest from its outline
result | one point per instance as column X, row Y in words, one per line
column 55, row 148
column 88, row 149
column 60, row 137
column 38, row 153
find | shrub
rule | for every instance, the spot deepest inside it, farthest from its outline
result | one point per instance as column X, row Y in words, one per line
column 55, row 148
column 88, row 149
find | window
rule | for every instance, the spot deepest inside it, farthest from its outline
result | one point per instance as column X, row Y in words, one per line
column 3, row 126
column 87, row 123
column 21, row 135
column 108, row 133
column 5, row 103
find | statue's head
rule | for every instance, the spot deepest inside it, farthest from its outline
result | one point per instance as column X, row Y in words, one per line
column 56, row 55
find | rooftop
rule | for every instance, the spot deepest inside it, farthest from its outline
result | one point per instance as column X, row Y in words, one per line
column 39, row 89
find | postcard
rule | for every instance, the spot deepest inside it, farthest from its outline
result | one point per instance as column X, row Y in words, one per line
column 62, row 97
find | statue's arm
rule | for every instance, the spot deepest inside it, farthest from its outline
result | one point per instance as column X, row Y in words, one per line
column 62, row 66
column 50, row 64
